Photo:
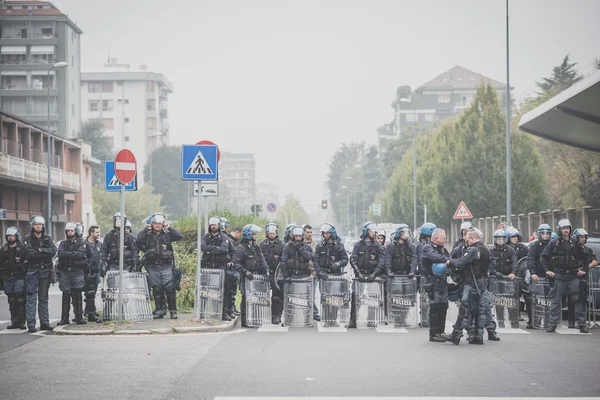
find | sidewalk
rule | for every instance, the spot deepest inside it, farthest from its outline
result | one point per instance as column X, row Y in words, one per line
column 185, row 324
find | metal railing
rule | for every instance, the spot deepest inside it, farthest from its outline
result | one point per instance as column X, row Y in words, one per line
column 33, row 172
column 24, row 86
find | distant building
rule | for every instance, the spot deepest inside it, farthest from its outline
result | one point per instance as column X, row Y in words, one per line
column 24, row 177
column 444, row 96
column 35, row 35
column 132, row 104
column 237, row 172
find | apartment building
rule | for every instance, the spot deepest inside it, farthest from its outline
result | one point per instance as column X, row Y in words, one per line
column 24, row 177
column 237, row 174
column 132, row 104
column 34, row 36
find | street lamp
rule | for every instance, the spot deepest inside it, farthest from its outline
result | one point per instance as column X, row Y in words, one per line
column 405, row 100
column 60, row 64
column 353, row 202
column 347, row 206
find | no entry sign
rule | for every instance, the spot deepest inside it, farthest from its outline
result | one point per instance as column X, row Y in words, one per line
column 125, row 166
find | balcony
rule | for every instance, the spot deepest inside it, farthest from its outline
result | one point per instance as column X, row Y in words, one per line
column 23, row 89
column 29, row 172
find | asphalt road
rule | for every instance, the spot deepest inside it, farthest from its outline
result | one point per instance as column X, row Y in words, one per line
column 299, row 362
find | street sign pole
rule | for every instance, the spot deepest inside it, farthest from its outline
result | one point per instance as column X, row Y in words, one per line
column 121, row 246
column 199, row 261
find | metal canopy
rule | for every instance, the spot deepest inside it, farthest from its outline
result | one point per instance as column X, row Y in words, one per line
column 572, row 117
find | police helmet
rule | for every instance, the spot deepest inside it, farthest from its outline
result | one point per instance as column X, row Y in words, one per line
column 466, row 226
column 297, row 230
column 71, row 226
column 368, row 226
column 401, row 228
column 580, row 232
column 79, row 230
column 249, row 230
column 272, row 227
column 12, row 231
column 288, row 231
column 427, row 229
column 117, row 220
column 553, row 235
column 544, row 228
column 454, row 292
column 128, row 224
column 214, row 220
column 513, row 232
column 439, row 269
column 329, row 228
column 500, row 237
column 38, row 220
column 158, row 218
column 381, row 232
column 563, row 223
column 224, row 223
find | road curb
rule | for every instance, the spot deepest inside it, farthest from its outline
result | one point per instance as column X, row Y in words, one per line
column 60, row 330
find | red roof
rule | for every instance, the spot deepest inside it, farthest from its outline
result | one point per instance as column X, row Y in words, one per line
column 30, row 11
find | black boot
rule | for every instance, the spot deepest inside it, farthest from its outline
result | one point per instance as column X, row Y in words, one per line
column 172, row 303
column 433, row 322
column 492, row 335
column 90, row 306
column 571, row 312
column 66, row 309
column 15, row 313
column 443, row 311
column 454, row 338
column 476, row 340
column 243, row 313
column 78, row 307
column 159, row 306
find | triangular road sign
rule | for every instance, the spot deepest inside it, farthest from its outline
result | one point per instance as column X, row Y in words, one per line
column 462, row 212
column 199, row 165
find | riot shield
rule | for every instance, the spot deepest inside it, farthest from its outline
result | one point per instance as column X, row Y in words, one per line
column 505, row 297
column 136, row 297
column 335, row 301
column 258, row 302
column 298, row 302
column 212, row 286
column 370, row 310
column 402, row 307
column 540, row 291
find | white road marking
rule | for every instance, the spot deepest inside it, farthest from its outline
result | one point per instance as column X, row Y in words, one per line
column 390, row 329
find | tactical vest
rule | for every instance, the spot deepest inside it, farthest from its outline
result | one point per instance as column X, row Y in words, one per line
column 42, row 260
column 215, row 258
column 252, row 258
column 520, row 249
column 295, row 263
column 13, row 260
column 503, row 261
column 113, row 238
column 563, row 256
column 73, row 246
column 427, row 264
column 272, row 252
column 368, row 257
column 328, row 255
column 481, row 266
column 401, row 255
column 161, row 244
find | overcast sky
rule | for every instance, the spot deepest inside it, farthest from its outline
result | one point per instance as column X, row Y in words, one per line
column 290, row 80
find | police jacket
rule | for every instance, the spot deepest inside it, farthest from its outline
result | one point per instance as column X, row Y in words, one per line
column 272, row 250
column 503, row 260
column 534, row 253
column 40, row 251
column 458, row 249
column 249, row 258
column 420, row 246
column 400, row 258
column 232, row 245
column 327, row 253
column 475, row 262
column 157, row 247
column 520, row 249
column 93, row 255
column 367, row 257
column 562, row 257
column 71, row 254
column 215, row 250
column 432, row 254
column 295, row 259
column 13, row 260
column 110, row 248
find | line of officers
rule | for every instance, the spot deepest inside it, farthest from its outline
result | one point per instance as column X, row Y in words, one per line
column 26, row 268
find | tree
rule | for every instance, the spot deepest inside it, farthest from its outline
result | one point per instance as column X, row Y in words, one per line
column 106, row 204
column 563, row 76
column 294, row 211
column 596, row 63
column 92, row 132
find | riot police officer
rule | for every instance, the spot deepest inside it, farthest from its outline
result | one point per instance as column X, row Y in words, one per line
column 367, row 261
column 249, row 260
column 400, row 255
column 329, row 259
column 435, row 286
column 73, row 268
column 156, row 241
column 535, row 250
column 13, row 259
column 94, row 259
column 288, row 237
column 503, row 264
column 514, row 240
column 473, row 267
column 234, row 239
column 111, row 248
column 465, row 227
column 215, row 250
column 568, row 266
column 381, row 235
column 424, row 238
column 272, row 249
column 296, row 257
column 40, row 250
column 128, row 227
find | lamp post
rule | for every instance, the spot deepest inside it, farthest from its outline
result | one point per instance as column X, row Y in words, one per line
column 405, row 100
column 60, row 64
column 508, row 166
column 353, row 203
column 347, row 206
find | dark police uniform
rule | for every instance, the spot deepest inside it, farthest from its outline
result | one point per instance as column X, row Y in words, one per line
column 273, row 251
column 215, row 255
column 248, row 260
column 13, row 261
column 40, row 252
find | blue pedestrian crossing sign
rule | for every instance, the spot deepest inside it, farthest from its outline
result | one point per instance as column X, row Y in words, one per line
column 199, row 162
column 111, row 183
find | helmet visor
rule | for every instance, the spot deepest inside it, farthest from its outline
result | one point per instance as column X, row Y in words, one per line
column 371, row 227
column 12, row 231
column 157, row 219
column 254, row 230
column 214, row 221
column 500, row 240
column 326, row 228
column 38, row 220
column 298, row 231
column 271, row 229
column 70, row 226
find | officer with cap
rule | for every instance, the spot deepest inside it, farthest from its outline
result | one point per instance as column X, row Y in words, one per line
column 272, row 249
column 13, row 259
column 40, row 250
column 156, row 241
column 111, row 249
column 73, row 268
column 561, row 260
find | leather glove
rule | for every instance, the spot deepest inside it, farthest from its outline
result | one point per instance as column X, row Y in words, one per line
column 371, row 278
column 411, row 275
column 335, row 266
column 499, row 275
column 288, row 280
column 249, row 275
column 323, row 276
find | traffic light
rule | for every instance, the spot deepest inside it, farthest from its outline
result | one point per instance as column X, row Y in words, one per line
column 323, row 204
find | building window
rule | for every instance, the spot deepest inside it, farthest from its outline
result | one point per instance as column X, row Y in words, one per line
column 109, row 124
column 151, row 123
column 46, row 33
column 107, row 105
column 121, row 101
column 149, row 86
column 444, row 98
column 13, row 59
column 410, row 117
column 151, row 104
column 465, row 100
column 93, row 105
column 107, row 87
column 428, row 117
column 94, row 87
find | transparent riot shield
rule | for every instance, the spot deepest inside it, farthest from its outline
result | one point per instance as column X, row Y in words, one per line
column 540, row 291
column 136, row 297
column 212, row 286
column 335, row 301
column 402, row 306
column 505, row 297
column 258, row 301
column 370, row 310
column 298, row 302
